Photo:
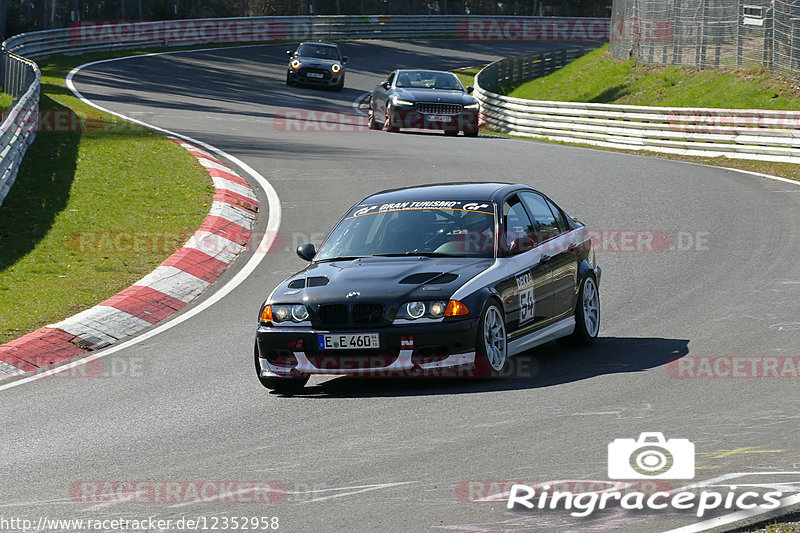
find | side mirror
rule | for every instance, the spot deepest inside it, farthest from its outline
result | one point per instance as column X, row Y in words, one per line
column 345, row 59
column 470, row 88
column 385, row 85
column 306, row 251
column 289, row 53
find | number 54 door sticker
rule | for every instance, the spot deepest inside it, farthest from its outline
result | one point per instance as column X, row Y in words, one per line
column 526, row 298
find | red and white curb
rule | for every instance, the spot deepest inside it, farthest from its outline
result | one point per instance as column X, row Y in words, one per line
column 182, row 277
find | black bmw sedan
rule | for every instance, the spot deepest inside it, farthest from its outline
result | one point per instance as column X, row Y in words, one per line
column 423, row 99
column 429, row 279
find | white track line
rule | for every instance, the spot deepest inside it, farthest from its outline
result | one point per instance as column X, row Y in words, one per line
column 732, row 518
column 273, row 224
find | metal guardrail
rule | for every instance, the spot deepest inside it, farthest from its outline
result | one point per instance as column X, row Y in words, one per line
column 22, row 76
column 734, row 133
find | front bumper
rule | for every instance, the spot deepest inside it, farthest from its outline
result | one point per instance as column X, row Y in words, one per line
column 466, row 120
column 328, row 79
column 406, row 351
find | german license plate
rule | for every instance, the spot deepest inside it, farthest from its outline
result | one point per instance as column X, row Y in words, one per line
column 349, row 341
column 438, row 118
column 313, row 74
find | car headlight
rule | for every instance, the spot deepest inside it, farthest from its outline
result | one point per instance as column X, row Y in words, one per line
column 295, row 63
column 336, row 68
column 415, row 310
column 284, row 313
column 400, row 102
column 472, row 106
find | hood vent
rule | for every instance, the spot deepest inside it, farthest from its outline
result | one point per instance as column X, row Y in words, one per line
column 314, row 281
column 419, row 278
column 444, row 278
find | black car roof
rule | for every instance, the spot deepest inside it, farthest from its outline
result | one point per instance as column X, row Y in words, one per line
column 332, row 45
column 472, row 191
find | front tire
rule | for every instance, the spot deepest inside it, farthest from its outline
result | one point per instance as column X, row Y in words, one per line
column 587, row 315
column 491, row 349
column 289, row 79
column 372, row 123
column 388, row 123
column 286, row 386
column 339, row 86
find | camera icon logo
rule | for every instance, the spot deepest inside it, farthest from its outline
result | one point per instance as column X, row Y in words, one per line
column 651, row 457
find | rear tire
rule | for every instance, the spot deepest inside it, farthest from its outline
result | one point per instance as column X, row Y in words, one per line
column 491, row 348
column 471, row 133
column 286, row 386
column 451, row 133
column 587, row 315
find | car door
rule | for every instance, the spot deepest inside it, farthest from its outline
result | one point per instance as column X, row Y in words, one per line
column 551, row 234
column 530, row 305
column 380, row 96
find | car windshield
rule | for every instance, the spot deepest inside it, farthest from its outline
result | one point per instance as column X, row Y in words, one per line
column 318, row 51
column 432, row 228
column 423, row 79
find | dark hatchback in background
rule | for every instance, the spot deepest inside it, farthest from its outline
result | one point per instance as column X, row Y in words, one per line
column 425, row 280
column 316, row 63
column 423, row 99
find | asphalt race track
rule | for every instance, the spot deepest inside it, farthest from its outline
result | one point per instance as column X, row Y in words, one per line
column 360, row 455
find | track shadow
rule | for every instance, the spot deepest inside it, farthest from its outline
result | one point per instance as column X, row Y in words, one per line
column 41, row 190
column 546, row 366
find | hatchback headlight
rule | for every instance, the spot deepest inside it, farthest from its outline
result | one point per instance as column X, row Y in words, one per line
column 336, row 68
column 295, row 63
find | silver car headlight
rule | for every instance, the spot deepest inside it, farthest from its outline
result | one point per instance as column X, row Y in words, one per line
column 399, row 102
column 476, row 105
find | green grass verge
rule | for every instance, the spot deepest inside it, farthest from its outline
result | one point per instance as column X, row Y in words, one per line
column 467, row 75
column 5, row 101
column 597, row 77
column 786, row 527
column 66, row 225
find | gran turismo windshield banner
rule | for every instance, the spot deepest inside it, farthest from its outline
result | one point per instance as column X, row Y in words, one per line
column 453, row 205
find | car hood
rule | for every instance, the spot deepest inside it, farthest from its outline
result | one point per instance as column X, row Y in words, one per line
column 435, row 95
column 384, row 280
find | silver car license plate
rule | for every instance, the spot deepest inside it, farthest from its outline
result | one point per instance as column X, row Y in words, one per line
column 438, row 118
column 349, row 341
